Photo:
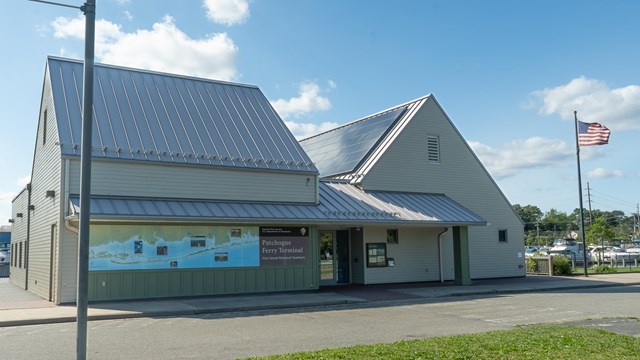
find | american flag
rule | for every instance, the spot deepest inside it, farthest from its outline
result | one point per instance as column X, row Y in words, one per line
column 592, row 134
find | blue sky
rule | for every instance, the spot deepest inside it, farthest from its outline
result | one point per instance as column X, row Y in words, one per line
column 508, row 73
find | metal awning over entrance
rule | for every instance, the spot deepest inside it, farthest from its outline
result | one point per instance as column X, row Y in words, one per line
column 339, row 203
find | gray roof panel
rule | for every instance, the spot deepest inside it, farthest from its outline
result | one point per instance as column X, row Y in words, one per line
column 341, row 150
column 150, row 116
column 339, row 203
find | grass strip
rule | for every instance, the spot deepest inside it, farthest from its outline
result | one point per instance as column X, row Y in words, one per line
column 539, row 342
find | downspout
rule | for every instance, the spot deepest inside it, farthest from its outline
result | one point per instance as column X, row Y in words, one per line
column 68, row 209
column 67, row 224
column 440, row 253
column 26, row 250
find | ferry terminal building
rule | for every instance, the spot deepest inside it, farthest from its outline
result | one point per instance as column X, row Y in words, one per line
column 199, row 188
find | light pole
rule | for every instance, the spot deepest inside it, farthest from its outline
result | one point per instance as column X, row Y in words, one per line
column 89, row 10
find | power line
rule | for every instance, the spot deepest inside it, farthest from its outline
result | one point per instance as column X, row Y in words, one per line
column 622, row 201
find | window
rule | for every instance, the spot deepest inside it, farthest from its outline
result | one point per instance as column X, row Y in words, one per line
column 20, row 255
column 502, row 236
column 392, row 236
column 433, row 149
column 377, row 255
column 44, row 127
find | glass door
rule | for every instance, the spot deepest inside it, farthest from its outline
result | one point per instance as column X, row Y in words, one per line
column 327, row 263
column 334, row 257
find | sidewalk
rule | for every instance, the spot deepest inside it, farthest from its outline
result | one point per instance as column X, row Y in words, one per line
column 18, row 307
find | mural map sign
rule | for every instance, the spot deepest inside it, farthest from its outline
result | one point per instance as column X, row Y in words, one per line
column 137, row 247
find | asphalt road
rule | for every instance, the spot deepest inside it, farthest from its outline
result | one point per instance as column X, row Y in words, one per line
column 238, row 335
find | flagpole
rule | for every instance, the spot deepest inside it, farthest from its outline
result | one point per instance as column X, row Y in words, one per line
column 584, row 241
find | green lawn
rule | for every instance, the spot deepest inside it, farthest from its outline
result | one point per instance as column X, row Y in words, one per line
column 618, row 270
column 540, row 342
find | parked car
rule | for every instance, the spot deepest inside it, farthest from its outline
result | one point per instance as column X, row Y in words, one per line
column 544, row 251
column 530, row 251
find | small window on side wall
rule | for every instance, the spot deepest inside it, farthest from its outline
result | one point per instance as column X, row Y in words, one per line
column 502, row 236
column 392, row 236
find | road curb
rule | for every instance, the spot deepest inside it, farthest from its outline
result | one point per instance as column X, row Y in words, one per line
column 167, row 313
column 199, row 311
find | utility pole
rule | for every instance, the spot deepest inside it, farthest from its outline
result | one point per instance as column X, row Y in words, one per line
column 82, row 304
column 589, row 201
column 89, row 10
column 636, row 222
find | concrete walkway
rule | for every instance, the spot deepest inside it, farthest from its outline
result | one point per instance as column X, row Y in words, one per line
column 18, row 307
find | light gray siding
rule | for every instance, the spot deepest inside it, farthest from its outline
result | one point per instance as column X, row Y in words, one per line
column 415, row 255
column 18, row 236
column 174, row 181
column 45, row 177
column 460, row 176
column 66, row 259
column 447, row 255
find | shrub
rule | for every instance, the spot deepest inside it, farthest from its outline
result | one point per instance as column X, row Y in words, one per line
column 561, row 266
column 604, row 269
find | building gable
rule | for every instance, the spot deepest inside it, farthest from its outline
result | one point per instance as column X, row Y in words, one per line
column 429, row 155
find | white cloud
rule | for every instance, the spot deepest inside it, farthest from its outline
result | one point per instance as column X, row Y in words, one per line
column 128, row 15
column 163, row 48
column 7, row 197
column 227, row 12
column 308, row 100
column 599, row 173
column 519, row 155
column 618, row 109
column 23, row 181
column 303, row 130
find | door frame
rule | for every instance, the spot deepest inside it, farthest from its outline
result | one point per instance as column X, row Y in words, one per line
column 334, row 280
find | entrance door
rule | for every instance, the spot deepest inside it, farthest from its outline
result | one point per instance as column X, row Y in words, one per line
column 334, row 257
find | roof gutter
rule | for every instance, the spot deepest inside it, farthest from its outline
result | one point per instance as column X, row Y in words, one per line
column 209, row 220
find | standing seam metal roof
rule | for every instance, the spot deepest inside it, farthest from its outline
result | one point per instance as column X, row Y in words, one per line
column 151, row 116
column 339, row 202
column 342, row 152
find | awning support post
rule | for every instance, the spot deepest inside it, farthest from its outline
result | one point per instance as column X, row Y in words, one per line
column 461, row 255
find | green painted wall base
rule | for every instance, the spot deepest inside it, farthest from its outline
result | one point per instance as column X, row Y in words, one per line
column 143, row 284
column 461, row 255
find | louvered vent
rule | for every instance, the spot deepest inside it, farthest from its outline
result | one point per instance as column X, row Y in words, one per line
column 433, row 149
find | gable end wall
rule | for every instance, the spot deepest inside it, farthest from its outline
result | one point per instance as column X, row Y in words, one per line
column 459, row 175
column 45, row 176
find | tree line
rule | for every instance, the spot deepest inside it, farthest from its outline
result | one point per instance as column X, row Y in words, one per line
column 600, row 226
